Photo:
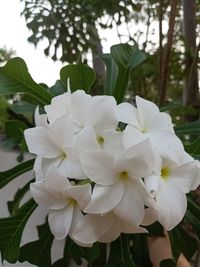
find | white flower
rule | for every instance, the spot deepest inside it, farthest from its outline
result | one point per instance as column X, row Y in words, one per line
column 118, row 181
column 64, row 202
column 147, row 122
column 55, row 148
column 100, row 131
column 169, row 189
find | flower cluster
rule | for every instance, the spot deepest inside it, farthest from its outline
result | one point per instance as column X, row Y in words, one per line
column 103, row 169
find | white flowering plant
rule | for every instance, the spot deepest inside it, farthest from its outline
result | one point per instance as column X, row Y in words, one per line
column 107, row 173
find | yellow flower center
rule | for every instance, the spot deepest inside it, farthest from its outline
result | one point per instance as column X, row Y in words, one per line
column 63, row 155
column 72, row 202
column 165, row 173
column 100, row 140
column 123, row 175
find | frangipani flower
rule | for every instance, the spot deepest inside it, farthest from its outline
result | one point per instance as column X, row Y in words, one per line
column 55, row 145
column 63, row 200
column 146, row 121
column 100, row 132
column 118, row 181
column 169, row 189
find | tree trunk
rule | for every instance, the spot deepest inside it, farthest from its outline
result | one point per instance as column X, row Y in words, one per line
column 167, row 53
column 191, row 88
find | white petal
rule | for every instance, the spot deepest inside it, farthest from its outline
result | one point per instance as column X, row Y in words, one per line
column 133, row 199
column 161, row 122
column 149, row 217
column 40, row 120
column 103, row 115
column 127, row 113
column 39, row 143
column 173, row 201
column 60, row 221
column 79, row 106
column 56, row 182
column 61, row 132
column 57, row 108
column 105, row 198
column 113, row 233
column 130, row 228
column 184, row 175
column 81, row 193
column 99, row 167
column 167, row 145
column 146, row 110
column 113, row 141
column 92, row 227
column 44, row 197
column 196, row 181
column 138, row 160
column 86, row 139
column 152, row 184
column 133, row 136
column 77, row 218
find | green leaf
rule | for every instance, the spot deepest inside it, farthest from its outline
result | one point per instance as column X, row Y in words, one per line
column 80, row 76
column 120, row 255
column 15, row 78
column 192, row 215
column 9, row 175
column 182, row 242
column 11, row 230
column 140, row 250
column 15, row 129
column 155, row 229
column 168, row 263
column 58, row 88
column 38, row 252
column 194, row 149
column 192, row 128
column 13, row 205
column 126, row 57
column 23, row 107
column 111, row 74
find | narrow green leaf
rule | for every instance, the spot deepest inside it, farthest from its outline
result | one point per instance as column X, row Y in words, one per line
column 9, row 175
column 192, row 128
column 111, row 74
column 140, row 250
column 13, row 205
column 11, row 230
column 79, row 75
column 120, row 255
column 194, row 149
column 38, row 252
column 15, row 78
column 194, row 221
column 182, row 242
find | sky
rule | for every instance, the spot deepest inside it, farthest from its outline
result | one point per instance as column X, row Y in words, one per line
column 14, row 34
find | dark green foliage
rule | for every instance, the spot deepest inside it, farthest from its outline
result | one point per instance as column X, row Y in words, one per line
column 11, row 230
column 8, row 176
column 38, row 252
column 120, row 255
column 15, row 78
